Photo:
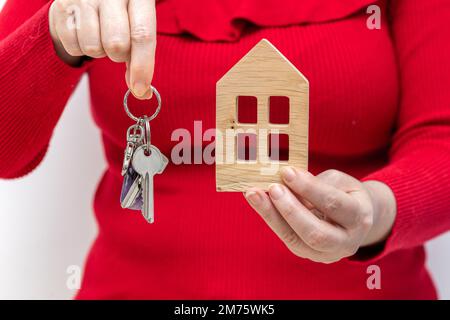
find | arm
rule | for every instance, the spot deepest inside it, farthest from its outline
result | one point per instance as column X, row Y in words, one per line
column 419, row 168
column 35, row 86
column 37, row 49
column 403, row 204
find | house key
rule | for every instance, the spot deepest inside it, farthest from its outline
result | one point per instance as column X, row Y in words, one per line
column 148, row 161
column 141, row 162
column 130, row 196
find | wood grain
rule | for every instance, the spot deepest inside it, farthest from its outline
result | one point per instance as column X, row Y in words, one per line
column 262, row 72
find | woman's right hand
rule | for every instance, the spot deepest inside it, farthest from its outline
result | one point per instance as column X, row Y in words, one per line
column 122, row 30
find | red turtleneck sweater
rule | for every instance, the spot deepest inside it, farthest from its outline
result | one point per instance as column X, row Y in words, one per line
column 379, row 109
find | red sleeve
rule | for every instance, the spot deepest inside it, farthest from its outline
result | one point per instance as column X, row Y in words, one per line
column 419, row 168
column 35, row 85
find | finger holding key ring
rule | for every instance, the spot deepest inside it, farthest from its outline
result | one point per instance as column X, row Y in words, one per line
column 132, row 116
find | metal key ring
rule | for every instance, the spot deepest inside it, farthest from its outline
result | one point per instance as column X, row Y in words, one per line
column 132, row 116
column 148, row 133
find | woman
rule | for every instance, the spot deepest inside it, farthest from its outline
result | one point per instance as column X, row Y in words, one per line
column 379, row 142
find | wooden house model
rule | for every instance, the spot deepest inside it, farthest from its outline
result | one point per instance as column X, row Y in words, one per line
column 261, row 110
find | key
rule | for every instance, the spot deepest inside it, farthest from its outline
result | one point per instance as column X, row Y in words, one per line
column 135, row 137
column 131, row 194
column 147, row 165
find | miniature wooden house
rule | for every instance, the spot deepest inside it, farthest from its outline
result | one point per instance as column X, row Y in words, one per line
column 263, row 83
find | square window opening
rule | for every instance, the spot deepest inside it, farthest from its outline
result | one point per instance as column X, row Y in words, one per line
column 246, row 146
column 279, row 110
column 278, row 147
column 247, row 109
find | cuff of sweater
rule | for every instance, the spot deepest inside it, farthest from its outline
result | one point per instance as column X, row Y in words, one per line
column 30, row 47
column 37, row 84
column 43, row 42
column 405, row 219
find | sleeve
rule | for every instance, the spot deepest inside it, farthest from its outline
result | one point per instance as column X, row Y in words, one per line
column 35, row 85
column 418, row 171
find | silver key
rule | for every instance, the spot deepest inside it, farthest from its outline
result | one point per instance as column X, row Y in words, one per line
column 147, row 165
column 131, row 195
column 135, row 137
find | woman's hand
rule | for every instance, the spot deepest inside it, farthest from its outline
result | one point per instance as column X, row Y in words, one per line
column 123, row 30
column 326, row 217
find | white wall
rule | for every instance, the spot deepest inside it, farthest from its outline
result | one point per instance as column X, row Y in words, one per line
column 439, row 264
column 46, row 219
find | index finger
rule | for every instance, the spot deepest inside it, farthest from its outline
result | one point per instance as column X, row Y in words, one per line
column 142, row 18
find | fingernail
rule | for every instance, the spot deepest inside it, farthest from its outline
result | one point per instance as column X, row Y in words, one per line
column 139, row 89
column 288, row 174
column 275, row 191
column 253, row 197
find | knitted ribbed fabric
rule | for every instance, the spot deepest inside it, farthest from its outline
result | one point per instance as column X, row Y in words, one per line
column 379, row 109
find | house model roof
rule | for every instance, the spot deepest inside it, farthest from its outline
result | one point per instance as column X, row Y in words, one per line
column 261, row 62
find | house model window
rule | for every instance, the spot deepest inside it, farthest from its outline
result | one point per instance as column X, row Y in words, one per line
column 262, row 116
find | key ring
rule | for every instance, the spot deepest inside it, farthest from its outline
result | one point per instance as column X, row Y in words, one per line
column 132, row 116
column 148, row 134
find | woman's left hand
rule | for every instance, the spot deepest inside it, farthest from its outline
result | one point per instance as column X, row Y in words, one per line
column 326, row 217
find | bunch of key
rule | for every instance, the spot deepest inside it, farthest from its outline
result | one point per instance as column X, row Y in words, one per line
column 141, row 162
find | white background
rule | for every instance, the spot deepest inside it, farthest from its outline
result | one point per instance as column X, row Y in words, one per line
column 46, row 219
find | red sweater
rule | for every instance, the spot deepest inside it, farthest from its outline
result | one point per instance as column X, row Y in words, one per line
column 379, row 109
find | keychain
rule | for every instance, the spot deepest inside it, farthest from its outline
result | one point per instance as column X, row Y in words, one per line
column 141, row 162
